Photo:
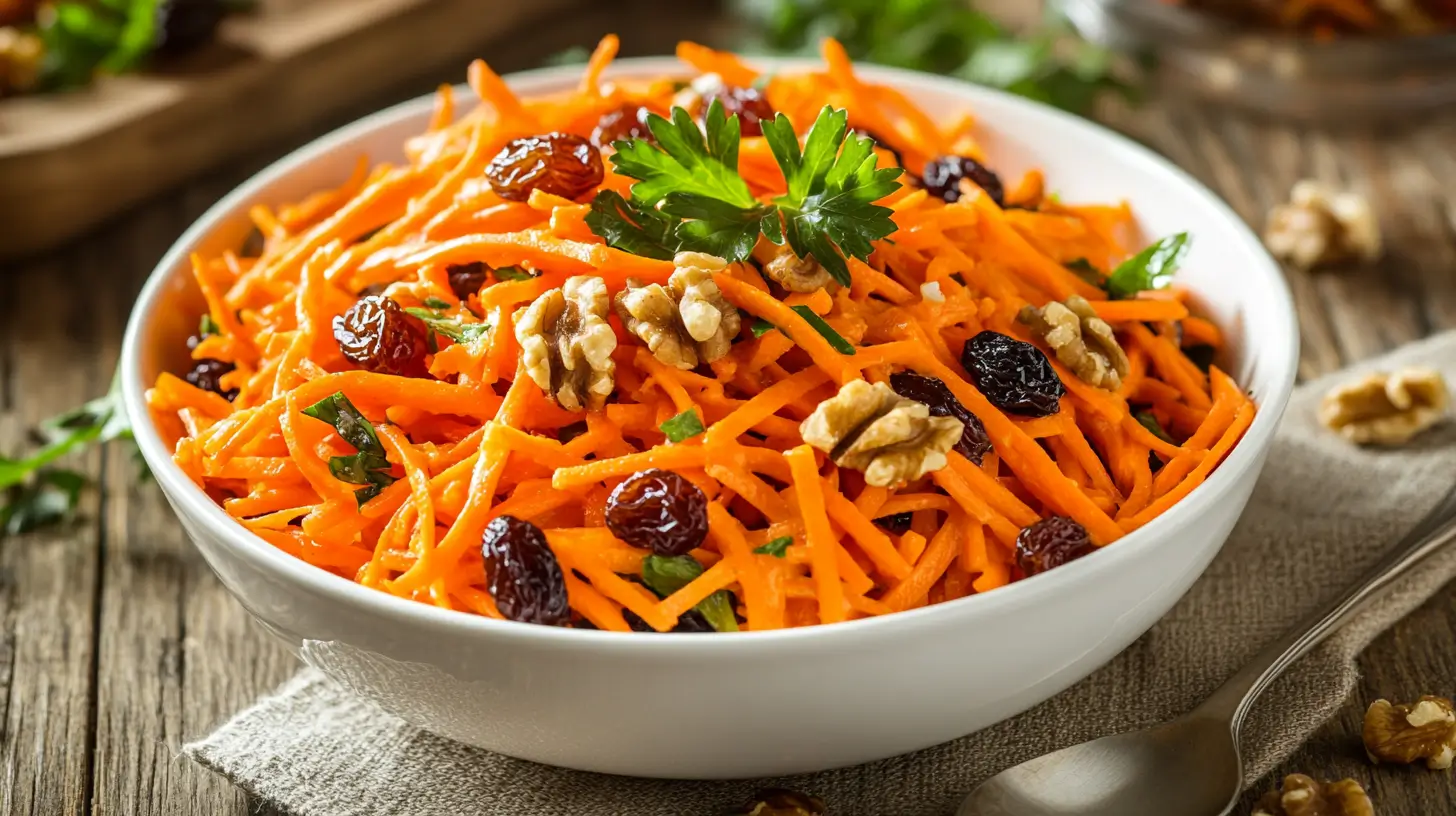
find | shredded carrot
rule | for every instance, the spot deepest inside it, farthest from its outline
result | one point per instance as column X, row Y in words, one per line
column 793, row 538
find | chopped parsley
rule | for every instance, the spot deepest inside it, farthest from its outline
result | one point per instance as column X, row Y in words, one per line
column 1152, row 268
column 436, row 303
column 369, row 466
column 682, row 427
column 511, row 273
column 666, row 575
column 449, row 326
column 835, row 338
column 777, row 548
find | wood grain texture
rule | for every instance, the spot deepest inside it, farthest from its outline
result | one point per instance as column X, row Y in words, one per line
column 117, row 644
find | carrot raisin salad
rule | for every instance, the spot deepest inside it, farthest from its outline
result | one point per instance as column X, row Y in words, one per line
column 719, row 351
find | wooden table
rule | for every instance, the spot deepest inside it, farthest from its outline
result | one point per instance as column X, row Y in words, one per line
column 118, row 643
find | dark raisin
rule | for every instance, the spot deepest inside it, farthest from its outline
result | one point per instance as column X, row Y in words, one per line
column 566, row 433
column 623, row 124
column 1201, row 355
column 583, row 623
column 943, row 178
column 692, row 621
column 781, row 802
column 377, row 335
column 562, row 164
column 373, row 290
column 207, row 374
column 182, row 25
column 882, row 144
column 253, row 244
column 750, row 104
column 466, row 279
column 1050, row 543
column 522, row 573
column 660, row 511
column 1013, row 375
column 974, row 443
column 899, row 523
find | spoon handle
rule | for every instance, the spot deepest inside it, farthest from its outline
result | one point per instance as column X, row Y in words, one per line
column 1236, row 696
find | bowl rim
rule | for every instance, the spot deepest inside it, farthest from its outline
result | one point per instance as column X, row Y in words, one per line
column 1280, row 361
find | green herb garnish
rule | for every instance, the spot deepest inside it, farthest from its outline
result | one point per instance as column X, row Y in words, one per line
column 511, row 273
column 368, row 467
column 1152, row 268
column 1147, row 420
column 435, row 303
column 207, row 325
column 665, row 576
column 682, row 427
column 449, row 326
column 835, row 338
column 777, row 548
column 1084, row 269
column 761, row 327
column 689, row 195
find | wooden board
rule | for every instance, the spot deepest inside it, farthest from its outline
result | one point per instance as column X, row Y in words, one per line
column 68, row 161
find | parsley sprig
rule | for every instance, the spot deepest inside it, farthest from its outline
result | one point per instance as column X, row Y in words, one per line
column 369, row 466
column 690, row 196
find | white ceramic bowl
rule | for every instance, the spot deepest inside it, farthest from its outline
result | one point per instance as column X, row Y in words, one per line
column 757, row 703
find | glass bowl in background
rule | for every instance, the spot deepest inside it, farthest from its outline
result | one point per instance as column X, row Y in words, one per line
column 1354, row 81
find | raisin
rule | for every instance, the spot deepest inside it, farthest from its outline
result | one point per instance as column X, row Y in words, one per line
column 207, row 374
column 623, row 124
column 466, row 279
column 1050, row 543
column 692, row 621
column 523, row 575
column 566, row 433
column 377, row 335
column 899, row 523
column 943, row 176
column 781, row 802
column 749, row 103
column 974, row 444
column 562, row 164
column 1013, row 375
column 660, row 511
column 1201, row 355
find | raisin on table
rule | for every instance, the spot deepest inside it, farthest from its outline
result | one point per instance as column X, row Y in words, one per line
column 562, row 164
column 1050, row 543
column 522, row 574
column 660, row 511
column 943, row 175
column 1014, row 376
column 750, row 104
column 379, row 336
column 626, row 123
column 974, row 444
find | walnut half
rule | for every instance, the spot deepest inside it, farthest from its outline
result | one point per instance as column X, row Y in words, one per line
column 1321, row 226
column 1386, row 409
column 1402, row 734
column 870, row 428
column 794, row 273
column 687, row 321
column 567, row 344
column 1303, row 796
column 1082, row 341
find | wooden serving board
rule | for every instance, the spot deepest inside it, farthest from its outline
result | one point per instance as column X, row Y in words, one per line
column 70, row 160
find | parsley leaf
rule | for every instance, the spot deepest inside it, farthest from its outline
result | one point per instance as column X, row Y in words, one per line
column 835, row 338
column 1147, row 420
column 761, row 327
column 682, row 427
column 833, row 185
column 451, row 327
column 435, row 303
column 1152, row 268
column 1084, row 269
column 682, row 162
column 368, row 467
column 51, row 497
column 641, row 231
column 665, row 576
column 511, row 273
column 207, row 325
column 777, row 548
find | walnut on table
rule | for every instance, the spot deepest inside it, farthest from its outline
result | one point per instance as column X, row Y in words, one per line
column 1386, row 408
column 1302, row 796
column 1320, row 226
column 794, row 273
column 567, row 344
column 781, row 802
column 1081, row 340
column 686, row 322
column 1402, row 734
column 870, row 428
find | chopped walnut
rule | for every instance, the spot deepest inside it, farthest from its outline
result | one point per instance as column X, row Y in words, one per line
column 1303, row 796
column 871, row 428
column 1082, row 341
column 686, row 322
column 794, row 273
column 1405, row 733
column 780, row 802
column 1386, row 409
column 567, row 345
column 1319, row 226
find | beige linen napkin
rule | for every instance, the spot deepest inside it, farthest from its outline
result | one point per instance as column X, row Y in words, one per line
column 1322, row 513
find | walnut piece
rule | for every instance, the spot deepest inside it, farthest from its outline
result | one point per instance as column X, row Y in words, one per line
column 794, row 273
column 1303, row 796
column 1405, row 733
column 1082, row 341
column 1320, row 226
column 686, row 322
column 781, row 802
column 567, row 345
column 872, row 429
column 1386, row 409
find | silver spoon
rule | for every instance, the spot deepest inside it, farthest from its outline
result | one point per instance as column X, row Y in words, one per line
column 1190, row 766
